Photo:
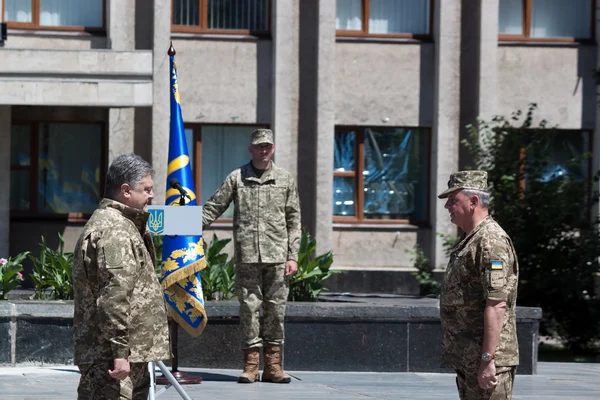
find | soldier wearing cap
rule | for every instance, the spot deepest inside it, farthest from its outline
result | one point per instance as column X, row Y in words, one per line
column 266, row 234
column 478, row 299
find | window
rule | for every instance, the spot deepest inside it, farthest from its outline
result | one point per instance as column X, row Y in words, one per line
column 397, row 18
column 55, row 14
column 215, row 151
column 56, row 168
column 545, row 19
column 221, row 16
column 380, row 174
column 566, row 155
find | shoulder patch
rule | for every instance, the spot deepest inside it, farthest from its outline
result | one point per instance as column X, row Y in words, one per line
column 496, row 264
column 113, row 257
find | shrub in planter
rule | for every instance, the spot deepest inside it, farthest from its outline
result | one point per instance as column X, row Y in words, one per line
column 51, row 275
column 10, row 274
column 307, row 283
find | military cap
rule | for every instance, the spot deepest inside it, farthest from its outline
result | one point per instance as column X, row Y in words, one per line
column 260, row 136
column 475, row 180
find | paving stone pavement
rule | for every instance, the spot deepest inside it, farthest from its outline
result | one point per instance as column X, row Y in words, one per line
column 554, row 381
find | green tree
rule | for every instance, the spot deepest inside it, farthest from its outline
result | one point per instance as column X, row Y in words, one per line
column 548, row 214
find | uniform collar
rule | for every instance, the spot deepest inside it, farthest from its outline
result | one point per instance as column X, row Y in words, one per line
column 249, row 174
column 467, row 237
column 138, row 217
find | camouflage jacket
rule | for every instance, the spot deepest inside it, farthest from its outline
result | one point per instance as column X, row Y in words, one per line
column 266, row 219
column 483, row 265
column 119, row 307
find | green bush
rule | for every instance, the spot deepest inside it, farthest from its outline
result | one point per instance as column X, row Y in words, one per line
column 547, row 213
column 51, row 277
column 10, row 274
column 307, row 283
column 218, row 278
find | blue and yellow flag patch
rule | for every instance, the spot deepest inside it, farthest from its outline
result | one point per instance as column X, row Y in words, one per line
column 496, row 264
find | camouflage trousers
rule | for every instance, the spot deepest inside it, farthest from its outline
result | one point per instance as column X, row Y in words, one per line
column 261, row 285
column 468, row 387
column 96, row 384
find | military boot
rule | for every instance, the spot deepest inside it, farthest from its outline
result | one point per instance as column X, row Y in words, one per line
column 251, row 360
column 273, row 371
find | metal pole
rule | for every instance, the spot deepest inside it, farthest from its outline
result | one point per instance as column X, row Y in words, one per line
column 173, row 381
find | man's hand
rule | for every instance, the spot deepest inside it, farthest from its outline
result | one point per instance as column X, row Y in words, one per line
column 486, row 377
column 121, row 369
column 291, row 267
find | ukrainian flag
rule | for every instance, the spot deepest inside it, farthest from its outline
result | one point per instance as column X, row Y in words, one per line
column 183, row 256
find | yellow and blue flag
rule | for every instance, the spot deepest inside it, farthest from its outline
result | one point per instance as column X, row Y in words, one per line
column 183, row 256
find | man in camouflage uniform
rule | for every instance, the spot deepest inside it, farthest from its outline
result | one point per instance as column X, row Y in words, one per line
column 266, row 234
column 478, row 299
column 120, row 315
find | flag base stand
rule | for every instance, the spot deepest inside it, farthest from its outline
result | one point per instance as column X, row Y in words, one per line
column 179, row 376
column 153, row 394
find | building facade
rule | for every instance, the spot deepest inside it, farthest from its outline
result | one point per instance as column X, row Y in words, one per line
column 368, row 100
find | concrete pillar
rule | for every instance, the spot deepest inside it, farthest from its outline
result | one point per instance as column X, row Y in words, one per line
column 121, row 127
column 316, row 121
column 160, row 88
column 478, row 66
column 5, row 122
column 284, row 24
column 120, row 21
column 446, row 116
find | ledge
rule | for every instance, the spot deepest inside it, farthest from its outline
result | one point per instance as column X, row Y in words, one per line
column 361, row 333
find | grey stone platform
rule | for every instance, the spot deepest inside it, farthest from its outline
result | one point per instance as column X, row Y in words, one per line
column 345, row 333
column 555, row 381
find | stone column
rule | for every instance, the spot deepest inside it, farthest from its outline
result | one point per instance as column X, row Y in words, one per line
column 445, row 135
column 284, row 24
column 160, row 107
column 316, row 122
column 5, row 123
column 120, row 21
column 121, row 127
column 479, row 67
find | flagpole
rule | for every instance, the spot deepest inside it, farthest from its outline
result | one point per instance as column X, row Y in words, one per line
column 181, row 377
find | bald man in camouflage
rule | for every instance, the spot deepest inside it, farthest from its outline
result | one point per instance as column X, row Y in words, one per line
column 120, row 316
column 266, row 234
column 478, row 299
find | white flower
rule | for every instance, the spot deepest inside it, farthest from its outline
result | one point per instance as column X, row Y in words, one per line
column 3, row 261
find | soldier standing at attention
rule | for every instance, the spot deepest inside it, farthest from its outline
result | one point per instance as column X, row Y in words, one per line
column 478, row 299
column 120, row 316
column 266, row 234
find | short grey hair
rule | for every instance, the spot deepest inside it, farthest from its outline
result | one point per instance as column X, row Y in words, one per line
column 126, row 168
column 484, row 197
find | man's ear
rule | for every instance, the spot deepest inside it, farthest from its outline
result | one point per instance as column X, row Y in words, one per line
column 126, row 190
column 475, row 200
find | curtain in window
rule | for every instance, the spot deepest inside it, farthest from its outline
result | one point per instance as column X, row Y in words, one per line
column 224, row 148
column 69, row 168
column 392, row 172
column 17, row 10
column 186, row 12
column 238, row 14
column 566, row 152
column 20, row 155
column 348, row 15
column 561, row 18
column 510, row 19
column 344, row 161
column 86, row 13
column 399, row 16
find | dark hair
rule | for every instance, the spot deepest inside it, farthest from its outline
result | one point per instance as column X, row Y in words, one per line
column 126, row 168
